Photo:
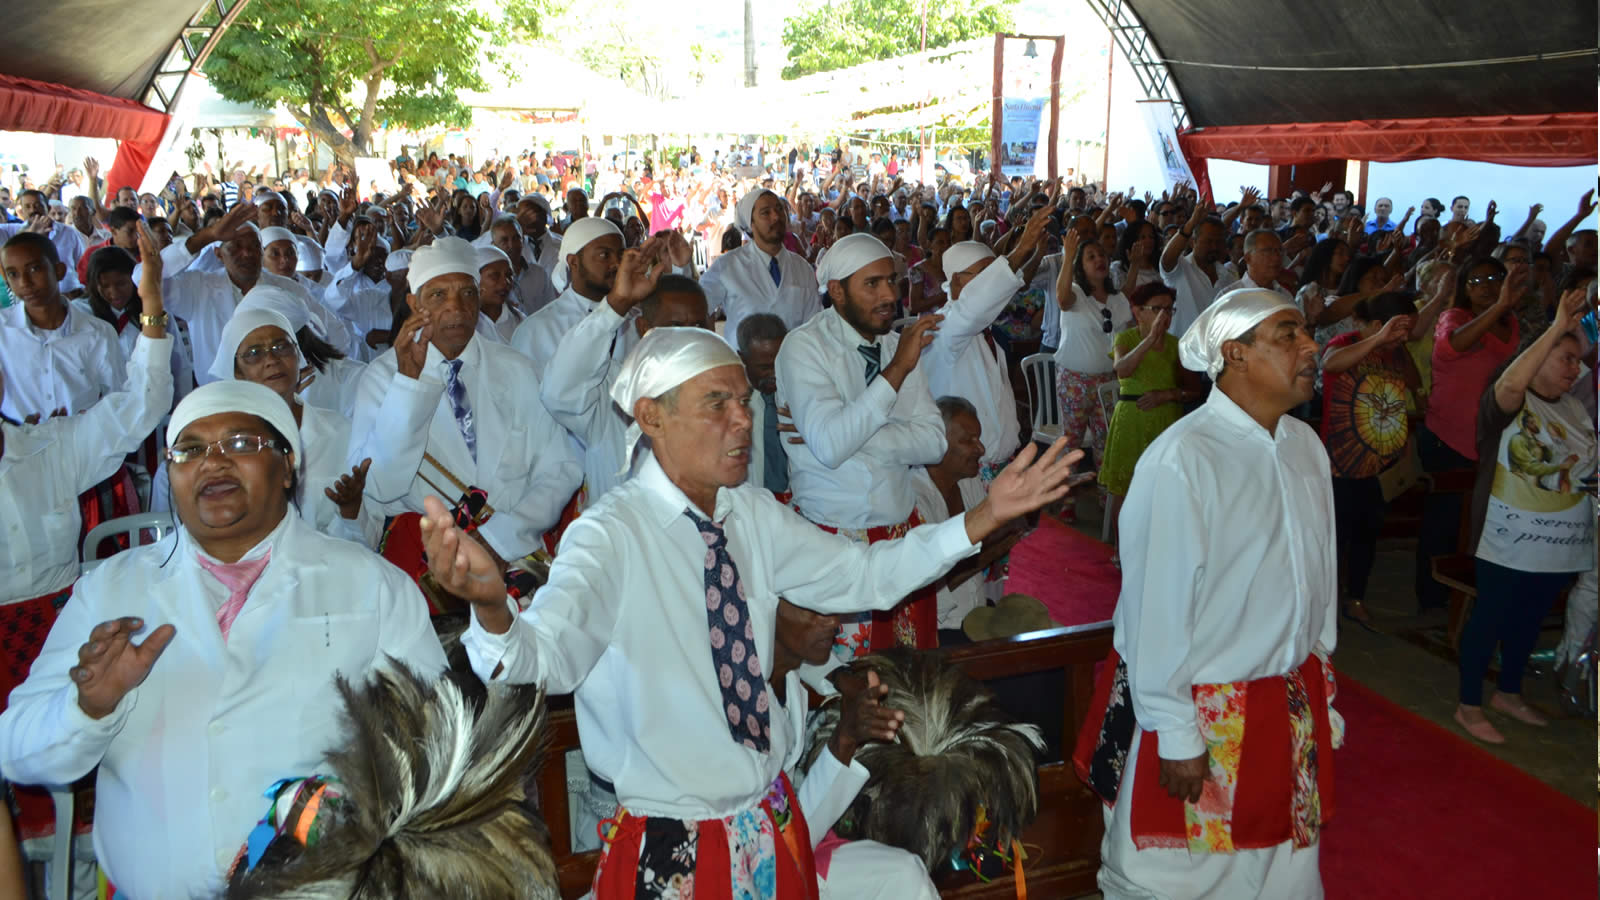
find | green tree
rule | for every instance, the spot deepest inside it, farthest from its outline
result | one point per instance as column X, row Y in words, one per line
column 845, row 33
column 351, row 65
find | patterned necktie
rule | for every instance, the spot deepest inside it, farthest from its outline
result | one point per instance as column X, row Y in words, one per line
column 733, row 645
column 237, row 578
column 777, row 273
column 457, row 393
column 873, row 354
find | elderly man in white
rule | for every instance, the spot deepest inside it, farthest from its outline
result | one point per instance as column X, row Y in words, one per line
column 659, row 614
column 963, row 360
column 1219, row 685
column 762, row 275
column 244, row 616
column 444, row 407
column 860, row 402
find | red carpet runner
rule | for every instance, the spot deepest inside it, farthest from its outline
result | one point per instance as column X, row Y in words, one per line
column 1068, row 571
column 1424, row 813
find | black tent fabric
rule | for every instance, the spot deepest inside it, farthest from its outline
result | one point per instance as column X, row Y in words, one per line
column 1345, row 48
column 111, row 47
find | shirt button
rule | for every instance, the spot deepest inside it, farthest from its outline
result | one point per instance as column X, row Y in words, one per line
column 218, row 795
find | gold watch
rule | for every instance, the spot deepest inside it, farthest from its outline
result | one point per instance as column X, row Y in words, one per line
column 160, row 321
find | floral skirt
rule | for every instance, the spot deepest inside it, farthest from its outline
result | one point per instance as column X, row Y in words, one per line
column 914, row 622
column 1083, row 420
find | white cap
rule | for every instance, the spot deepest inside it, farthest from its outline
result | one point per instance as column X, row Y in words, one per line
column 235, row 397
column 275, row 234
column 1227, row 319
column 663, row 359
column 445, row 256
column 961, row 256
column 849, row 255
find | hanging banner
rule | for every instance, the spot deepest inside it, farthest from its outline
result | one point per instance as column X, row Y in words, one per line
column 374, row 176
column 1164, row 138
column 1020, row 121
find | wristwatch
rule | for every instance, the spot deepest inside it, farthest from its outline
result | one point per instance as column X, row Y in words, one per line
column 160, row 321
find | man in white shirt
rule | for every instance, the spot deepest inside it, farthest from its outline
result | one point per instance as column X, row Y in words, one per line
column 443, row 408
column 44, row 467
column 530, row 283
column 1210, row 603
column 33, row 209
column 541, row 247
column 659, row 615
column 760, row 338
column 498, row 315
column 577, row 385
column 206, row 299
column 591, row 252
column 360, row 293
column 762, row 276
column 860, row 402
column 246, row 615
column 1194, row 277
column 963, row 360
column 57, row 359
column 1263, row 260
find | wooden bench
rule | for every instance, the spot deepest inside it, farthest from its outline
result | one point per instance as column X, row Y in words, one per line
column 1063, row 841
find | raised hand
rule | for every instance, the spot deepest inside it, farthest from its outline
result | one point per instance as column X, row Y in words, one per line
column 235, row 221
column 39, row 224
column 464, row 567
column 346, row 492
column 1571, row 309
column 912, row 342
column 1031, row 480
column 1249, row 196
column 411, row 344
column 637, row 274
column 348, row 201
column 863, row 718
column 1031, row 233
column 1395, row 331
column 110, row 664
column 1586, row 204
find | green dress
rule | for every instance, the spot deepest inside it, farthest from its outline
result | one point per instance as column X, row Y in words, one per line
column 1132, row 429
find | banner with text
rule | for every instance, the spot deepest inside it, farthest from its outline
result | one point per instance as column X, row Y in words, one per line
column 1020, row 122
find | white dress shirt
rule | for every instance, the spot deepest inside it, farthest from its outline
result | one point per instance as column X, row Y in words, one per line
column 977, row 591
column 739, row 283
column 502, row 329
column 1119, row 277
column 45, row 467
column 1192, row 290
column 860, row 439
column 182, row 366
column 577, row 392
column 325, row 321
column 532, row 290
column 71, row 366
column 206, row 301
column 186, row 756
column 69, row 245
column 525, row 460
column 621, row 624
column 962, row 363
column 543, row 251
column 362, row 303
column 1248, row 282
column 1206, row 600
column 1085, row 345
column 541, row 333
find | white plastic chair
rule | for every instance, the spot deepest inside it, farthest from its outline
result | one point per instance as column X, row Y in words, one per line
column 133, row 526
column 1039, row 371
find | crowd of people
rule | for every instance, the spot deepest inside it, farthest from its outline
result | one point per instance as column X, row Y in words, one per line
column 737, row 379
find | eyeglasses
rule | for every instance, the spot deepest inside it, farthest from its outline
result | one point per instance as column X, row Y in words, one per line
column 1492, row 278
column 280, row 349
column 234, row 445
column 1154, row 309
column 1105, row 321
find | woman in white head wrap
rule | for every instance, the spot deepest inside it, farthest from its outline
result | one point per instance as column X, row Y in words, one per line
column 332, row 381
column 498, row 315
column 258, row 346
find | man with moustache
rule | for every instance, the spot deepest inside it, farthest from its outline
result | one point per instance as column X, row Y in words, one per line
column 1218, row 686
column 761, row 275
column 591, row 252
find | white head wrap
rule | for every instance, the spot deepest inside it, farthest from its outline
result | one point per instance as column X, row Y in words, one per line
column 398, row 261
column 235, row 397
column 490, row 255
column 487, row 237
column 579, row 235
column 1227, row 319
column 662, row 360
column 245, row 320
column 275, row 234
column 445, row 256
column 286, row 303
column 537, row 199
column 310, row 258
column 849, row 255
column 962, row 256
column 746, row 208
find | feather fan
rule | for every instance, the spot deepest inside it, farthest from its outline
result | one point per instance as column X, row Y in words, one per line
column 435, row 799
column 957, row 751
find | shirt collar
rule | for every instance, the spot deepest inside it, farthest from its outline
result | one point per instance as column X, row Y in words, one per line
column 18, row 314
column 667, row 500
column 1234, row 416
column 845, row 333
column 189, row 548
column 469, row 357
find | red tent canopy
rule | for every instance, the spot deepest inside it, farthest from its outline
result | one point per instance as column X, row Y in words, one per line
column 28, row 105
column 1557, row 139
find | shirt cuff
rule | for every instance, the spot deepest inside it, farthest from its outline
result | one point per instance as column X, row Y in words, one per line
column 880, row 395
column 950, row 539
column 1183, row 742
column 79, row 724
column 485, row 651
column 147, row 350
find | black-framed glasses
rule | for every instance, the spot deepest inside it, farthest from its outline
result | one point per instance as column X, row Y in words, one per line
column 233, row 445
column 256, row 353
column 1491, row 278
column 1105, row 320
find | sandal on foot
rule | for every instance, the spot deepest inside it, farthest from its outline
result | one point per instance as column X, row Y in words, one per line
column 1514, row 706
column 1483, row 730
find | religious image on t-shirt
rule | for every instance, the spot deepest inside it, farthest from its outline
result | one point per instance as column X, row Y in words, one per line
column 1540, row 517
column 1364, row 415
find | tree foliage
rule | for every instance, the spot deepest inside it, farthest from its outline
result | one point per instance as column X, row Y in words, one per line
column 345, row 67
column 843, row 33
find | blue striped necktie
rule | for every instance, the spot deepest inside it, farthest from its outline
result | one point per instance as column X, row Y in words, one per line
column 456, row 391
column 777, row 273
column 873, row 354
